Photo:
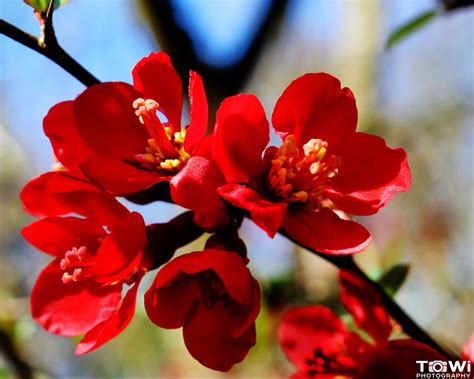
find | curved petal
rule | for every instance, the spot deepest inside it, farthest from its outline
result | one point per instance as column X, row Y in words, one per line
column 365, row 306
column 265, row 213
column 325, row 232
column 208, row 340
column 112, row 327
column 106, row 121
column 71, row 309
column 241, row 317
column 468, row 349
column 397, row 360
column 118, row 177
column 198, row 112
column 121, row 251
column 195, row 188
column 37, row 197
column 59, row 126
column 315, row 106
column 305, row 330
column 56, row 235
column 161, row 305
column 370, row 175
column 157, row 79
column 241, row 134
column 87, row 200
column 228, row 266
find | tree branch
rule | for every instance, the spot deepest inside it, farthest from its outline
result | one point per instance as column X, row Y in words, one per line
column 410, row 327
column 48, row 46
column 7, row 349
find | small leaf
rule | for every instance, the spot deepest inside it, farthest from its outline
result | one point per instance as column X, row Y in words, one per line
column 393, row 278
column 403, row 31
column 42, row 5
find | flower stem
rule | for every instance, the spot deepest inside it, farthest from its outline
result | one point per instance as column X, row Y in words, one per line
column 50, row 48
column 410, row 327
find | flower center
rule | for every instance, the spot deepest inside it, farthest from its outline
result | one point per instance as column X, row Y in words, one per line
column 212, row 289
column 323, row 363
column 76, row 264
column 301, row 178
column 165, row 150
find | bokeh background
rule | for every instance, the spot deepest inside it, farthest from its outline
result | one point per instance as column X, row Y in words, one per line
column 419, row 95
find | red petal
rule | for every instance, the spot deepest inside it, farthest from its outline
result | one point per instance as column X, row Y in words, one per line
column 157, row 79
column 195, row 187
column 161, row 305
column 111, row 327
column 60, row 127
column 227, row 265
column 106, row 121
column 468, row 349
column 315, row 106
column 121, row 251
column 265, row 213
column 87, row 200
column 241, row 135
column 306, row 329
column 208, row 340
column 56, row 235
column 397, row 360
column 198, row 112
column 71, row 309
column 118, row 177
column 365, row 306
column 38, row 199
column 370, row 175
column 241, row 317
column 325, row 232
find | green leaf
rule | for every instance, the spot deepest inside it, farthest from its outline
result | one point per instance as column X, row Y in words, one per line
column 403, row 31
column 42, row 5
column 393, row 278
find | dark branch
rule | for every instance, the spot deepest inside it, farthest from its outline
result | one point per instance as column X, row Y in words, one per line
column 410, row 327
column 49, row 48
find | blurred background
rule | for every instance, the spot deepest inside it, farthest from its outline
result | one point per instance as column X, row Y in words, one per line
column 419, row 95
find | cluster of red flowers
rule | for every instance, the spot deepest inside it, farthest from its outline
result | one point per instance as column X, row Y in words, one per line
column 320, row 345
column 119, row 140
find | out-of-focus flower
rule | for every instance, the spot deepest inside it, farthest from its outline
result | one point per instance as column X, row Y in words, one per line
column 128, row 138
column 95, row 259
column 322, row 165
column 320, row 345
column 213, row 296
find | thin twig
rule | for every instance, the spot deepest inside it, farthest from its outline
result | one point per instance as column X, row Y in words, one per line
column 49, row 48
column 410, row 327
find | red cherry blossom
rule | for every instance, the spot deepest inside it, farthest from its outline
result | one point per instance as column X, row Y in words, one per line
column 322, row 165
column 213, row 296
column 80, row 291
column 128, row 138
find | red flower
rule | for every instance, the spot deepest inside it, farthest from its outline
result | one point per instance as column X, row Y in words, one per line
column 80, row 291
column 322, row 164
column 128, row 138
column 213, row 296
column 319, row 344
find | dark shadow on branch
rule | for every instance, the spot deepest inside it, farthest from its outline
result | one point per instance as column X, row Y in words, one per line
column 7, row 349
